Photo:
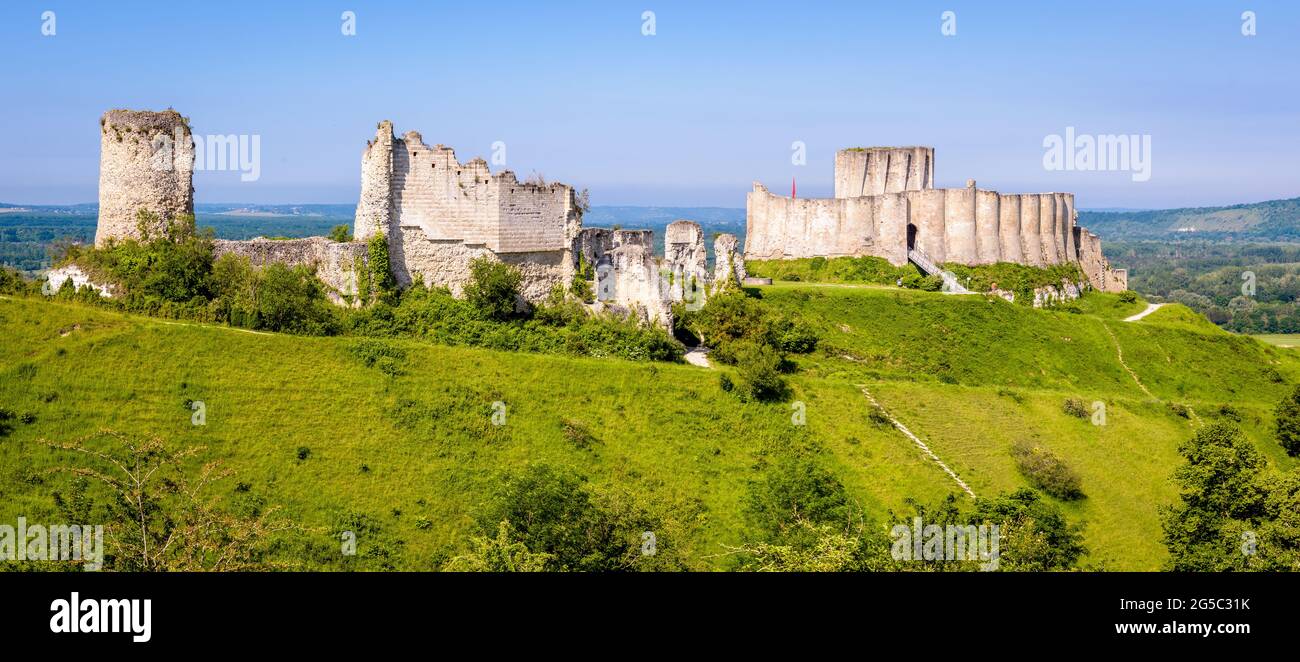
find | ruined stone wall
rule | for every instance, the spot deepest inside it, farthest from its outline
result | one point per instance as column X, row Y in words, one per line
column 883, row 194
column 728, row 262
column 375, row 207
column 143, row 166
column 863, row 171
column 440, row 214
column 628, row 275
column 686, row 260
column 1095, row 265
column 336, row 263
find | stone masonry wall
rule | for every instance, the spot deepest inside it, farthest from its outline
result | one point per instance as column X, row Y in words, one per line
column 335, row 263
column 142, row 166
column 967, row 226
column 439, row 214
column 863, row 171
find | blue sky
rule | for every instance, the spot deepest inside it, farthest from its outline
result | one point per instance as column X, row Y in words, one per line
column 689, row 116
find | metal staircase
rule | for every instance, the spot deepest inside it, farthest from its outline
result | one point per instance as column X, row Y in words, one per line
column 950, row 283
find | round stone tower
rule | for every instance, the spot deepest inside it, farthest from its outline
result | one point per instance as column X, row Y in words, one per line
column 146, row 164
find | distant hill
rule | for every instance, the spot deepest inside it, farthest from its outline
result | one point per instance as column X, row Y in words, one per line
column 1273, row 220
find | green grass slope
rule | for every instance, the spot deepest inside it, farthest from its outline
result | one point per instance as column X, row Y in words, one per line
column 417, row 454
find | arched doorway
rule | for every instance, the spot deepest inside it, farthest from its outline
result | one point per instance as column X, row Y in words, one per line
column 911, row 236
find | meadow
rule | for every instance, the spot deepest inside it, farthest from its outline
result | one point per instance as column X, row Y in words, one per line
column 412, row 456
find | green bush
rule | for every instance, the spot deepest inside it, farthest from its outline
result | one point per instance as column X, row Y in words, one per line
column 1046, row 471
column 171, row 264
column 373, row 353
column 493, row 288
column 795, row 488
column 733, row 315
column 1075, row 407
column 13, row 283
column 758, row 369
column 341, row 233
column 433, row 314
column 578, row 435
column 1128, row 296
column 271, row 298
column 554, row 513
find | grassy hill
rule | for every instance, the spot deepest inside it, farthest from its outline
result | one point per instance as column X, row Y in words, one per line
column 415, row 456
column 1270, row 220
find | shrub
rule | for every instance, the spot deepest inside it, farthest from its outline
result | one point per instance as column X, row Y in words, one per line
column 493, row 288
column 1014, row 395
column 1228, row 412
column 795, row 488
column 1075, row 407
column 271, row 298
column 877, row 416
column 1179, row 410
column 380, row 281
column 1128, row 296
column 1046, row 471
column 732, row 316
column 341, row 233
column 577, row 434
column 6, row 425
column 553, row 513
column 303, row 452
column 12, row 282
column 378, row 354
column 759, row 372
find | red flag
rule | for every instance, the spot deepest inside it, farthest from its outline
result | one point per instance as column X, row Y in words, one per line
column 792, row 188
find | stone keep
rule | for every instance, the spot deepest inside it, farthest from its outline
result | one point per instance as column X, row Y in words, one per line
column 885, row 205
column 146, row 163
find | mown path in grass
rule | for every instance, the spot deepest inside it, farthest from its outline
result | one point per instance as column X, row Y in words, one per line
column 1151, row 308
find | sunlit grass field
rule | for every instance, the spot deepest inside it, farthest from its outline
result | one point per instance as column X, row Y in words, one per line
column 418, row 454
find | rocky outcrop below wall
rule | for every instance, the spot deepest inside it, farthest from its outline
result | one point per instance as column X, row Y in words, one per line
column 78, row 277
column 336, row 264
column 1050, row 294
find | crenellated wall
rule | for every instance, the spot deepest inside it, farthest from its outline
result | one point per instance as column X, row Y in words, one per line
column 439, row 214
column 963, row 225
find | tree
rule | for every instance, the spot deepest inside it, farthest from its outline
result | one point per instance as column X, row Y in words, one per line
column 504, row 553
column 1034, row 535
column 558, row 520
column 493, row 288
column 158, row 517
column 1287, row 422
column 795, row 490
column 1224, row 496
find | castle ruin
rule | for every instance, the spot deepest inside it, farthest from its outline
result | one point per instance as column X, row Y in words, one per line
column 885, row 205
column 146, row 163
column 436, row 215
